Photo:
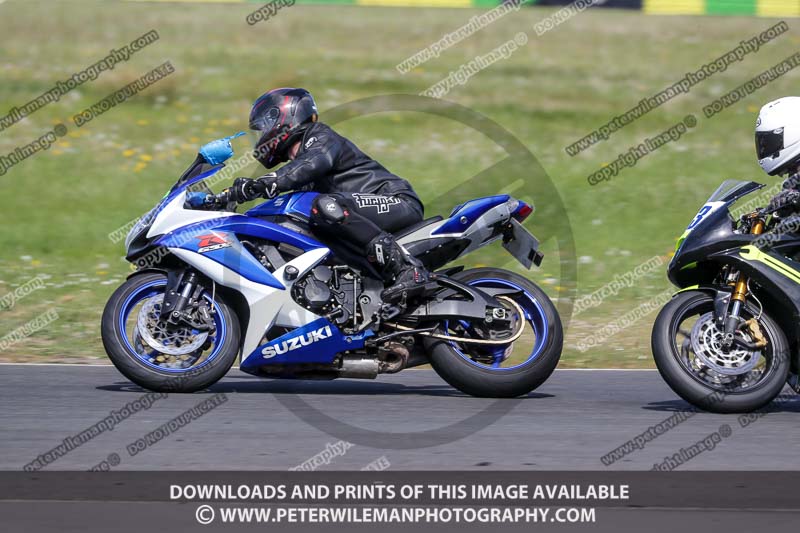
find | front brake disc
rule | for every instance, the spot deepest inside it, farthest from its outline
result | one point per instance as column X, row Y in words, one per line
column 169, row 341
column 707, row 342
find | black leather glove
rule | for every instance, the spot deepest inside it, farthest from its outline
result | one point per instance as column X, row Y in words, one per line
column 785, row 201
column 268, row 184
column 245, row 190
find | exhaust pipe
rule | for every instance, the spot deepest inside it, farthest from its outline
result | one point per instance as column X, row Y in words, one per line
column 394, row 357
column 359, row 368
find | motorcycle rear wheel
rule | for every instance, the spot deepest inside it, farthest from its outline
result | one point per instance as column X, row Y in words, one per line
column 457, row 364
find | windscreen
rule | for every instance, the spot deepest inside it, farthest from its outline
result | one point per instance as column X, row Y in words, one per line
column 731, row 190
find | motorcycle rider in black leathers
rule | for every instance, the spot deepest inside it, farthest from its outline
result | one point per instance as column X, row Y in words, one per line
column 778, row 150
column 360, row 202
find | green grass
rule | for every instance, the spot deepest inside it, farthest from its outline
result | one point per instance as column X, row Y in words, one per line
column 61, row 205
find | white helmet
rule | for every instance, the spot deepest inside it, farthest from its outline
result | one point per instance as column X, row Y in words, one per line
column 778, row 136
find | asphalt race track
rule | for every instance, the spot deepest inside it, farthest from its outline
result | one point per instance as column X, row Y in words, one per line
column 408, row 421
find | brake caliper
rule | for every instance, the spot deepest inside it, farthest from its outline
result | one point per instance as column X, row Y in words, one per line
column 755, row 330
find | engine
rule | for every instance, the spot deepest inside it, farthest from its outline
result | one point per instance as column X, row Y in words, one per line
column 331, row 291
column 337, row 292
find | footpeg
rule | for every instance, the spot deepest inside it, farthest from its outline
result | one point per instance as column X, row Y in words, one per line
column 389, row 311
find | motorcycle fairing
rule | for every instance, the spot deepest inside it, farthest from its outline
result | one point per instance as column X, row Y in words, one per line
column 171, row 214
column 483, row 223
column 269, row 306
column 297, row 205
column 230, row 252
column 715, row 212
column 224, row 248
column 316, row 342
column 778, row 277
column 465, row 214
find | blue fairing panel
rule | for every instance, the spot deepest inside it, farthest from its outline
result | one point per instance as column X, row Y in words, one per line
column 252, row 227
column 470, row 211
column 216, row 239
column 316, row 342
column 222, row 247
column 292, row 204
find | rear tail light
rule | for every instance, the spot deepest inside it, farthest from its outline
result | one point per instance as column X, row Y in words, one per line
column 522, row 211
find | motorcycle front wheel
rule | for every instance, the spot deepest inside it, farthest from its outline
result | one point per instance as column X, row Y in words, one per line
column 687, row 348
column 166, row 358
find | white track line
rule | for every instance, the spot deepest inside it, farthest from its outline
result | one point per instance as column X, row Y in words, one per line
column 93, row 365
column 109, row 365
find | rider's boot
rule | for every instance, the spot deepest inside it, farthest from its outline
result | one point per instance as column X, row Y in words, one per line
column 404, row 275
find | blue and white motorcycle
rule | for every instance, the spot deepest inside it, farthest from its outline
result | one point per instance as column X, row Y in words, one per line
column 213, row 284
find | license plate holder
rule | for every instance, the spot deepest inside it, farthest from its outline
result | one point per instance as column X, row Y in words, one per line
column 520, row 243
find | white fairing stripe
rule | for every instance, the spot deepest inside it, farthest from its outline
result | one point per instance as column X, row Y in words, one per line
column 268, row 306
column 174, row 216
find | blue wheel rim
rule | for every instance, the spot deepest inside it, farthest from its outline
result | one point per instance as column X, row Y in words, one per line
column 153, row 288
column 534, row 317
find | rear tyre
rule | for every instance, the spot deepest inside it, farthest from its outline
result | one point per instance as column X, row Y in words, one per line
column 460, row 369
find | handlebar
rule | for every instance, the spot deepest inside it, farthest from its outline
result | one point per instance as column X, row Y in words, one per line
column 220, row 199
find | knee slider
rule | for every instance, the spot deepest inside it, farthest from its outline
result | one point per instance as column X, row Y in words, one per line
column 327, row 209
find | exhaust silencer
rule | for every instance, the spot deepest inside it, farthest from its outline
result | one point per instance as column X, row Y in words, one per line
column 358, row 367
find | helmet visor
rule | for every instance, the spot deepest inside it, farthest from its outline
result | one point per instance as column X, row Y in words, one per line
column 769, row 143
column 266, row 121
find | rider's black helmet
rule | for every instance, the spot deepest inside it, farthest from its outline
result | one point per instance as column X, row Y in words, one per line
column 278, row 119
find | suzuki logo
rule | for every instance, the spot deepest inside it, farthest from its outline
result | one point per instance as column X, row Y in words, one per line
column 294, row 343
column 212, row 241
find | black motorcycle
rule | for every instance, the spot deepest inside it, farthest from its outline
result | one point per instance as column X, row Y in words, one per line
column 728, row 340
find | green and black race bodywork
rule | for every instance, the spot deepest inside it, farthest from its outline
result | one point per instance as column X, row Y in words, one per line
column 715, row 244
column 741, row 279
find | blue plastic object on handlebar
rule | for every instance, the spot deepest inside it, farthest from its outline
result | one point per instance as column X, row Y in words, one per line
column 219, row 151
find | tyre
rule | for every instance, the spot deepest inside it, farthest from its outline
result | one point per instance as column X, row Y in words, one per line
column 505, row 371
column 740, row 380
column 165, row 359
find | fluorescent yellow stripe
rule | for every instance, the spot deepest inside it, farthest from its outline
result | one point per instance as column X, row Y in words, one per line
column 754, row 254
column 674, row 7
column 778, row 8
column 416, row 3
column 780, row 267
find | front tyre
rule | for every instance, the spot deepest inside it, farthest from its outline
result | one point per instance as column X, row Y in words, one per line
column 687, row 352
column 161, row 358
column 505, row 371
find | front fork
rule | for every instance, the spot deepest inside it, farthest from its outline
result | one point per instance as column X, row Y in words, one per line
column 183, row 302
column 739, row 296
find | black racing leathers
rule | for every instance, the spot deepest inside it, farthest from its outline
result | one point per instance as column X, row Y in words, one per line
column 327, row 162
column 360, row 204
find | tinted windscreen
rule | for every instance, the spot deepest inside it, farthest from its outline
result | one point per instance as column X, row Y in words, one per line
column 730, row 190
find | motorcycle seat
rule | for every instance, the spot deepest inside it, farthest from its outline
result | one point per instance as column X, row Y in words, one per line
column 414, row 227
